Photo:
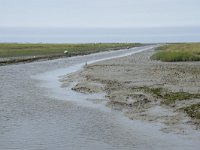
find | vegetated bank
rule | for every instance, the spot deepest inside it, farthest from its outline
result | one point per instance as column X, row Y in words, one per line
column 15, row 53
column 182, row 52
column 178, row 52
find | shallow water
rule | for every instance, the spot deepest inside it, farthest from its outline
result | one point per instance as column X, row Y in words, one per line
column 36, row 113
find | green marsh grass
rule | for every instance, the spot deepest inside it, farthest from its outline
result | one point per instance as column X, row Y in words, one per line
column 178, row 52
column 16, row 53
column 16, row 50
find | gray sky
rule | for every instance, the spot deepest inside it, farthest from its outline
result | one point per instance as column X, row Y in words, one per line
column 99, row 13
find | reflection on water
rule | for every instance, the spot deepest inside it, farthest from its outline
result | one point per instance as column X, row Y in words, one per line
column 35, row 113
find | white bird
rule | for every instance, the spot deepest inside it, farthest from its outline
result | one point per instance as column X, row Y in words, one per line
column 65, row 52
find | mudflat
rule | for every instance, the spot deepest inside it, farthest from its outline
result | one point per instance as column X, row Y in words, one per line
column 145, row 89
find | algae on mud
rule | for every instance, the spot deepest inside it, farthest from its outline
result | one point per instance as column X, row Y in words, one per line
column 193, row 110
column 169, row 97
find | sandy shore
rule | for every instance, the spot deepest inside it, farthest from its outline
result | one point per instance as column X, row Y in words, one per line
column 125, row 79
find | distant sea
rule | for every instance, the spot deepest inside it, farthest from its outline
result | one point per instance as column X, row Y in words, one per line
column 99, row 35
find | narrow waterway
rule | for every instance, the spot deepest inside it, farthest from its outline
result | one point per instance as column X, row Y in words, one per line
column 37, row 114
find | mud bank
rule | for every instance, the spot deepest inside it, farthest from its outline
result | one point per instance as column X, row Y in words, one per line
column 136, row 85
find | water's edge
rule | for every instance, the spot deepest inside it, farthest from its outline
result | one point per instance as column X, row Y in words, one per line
column 143, row 129
column 36, row 113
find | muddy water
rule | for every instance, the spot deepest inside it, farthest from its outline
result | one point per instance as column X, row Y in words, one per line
column 37, row 114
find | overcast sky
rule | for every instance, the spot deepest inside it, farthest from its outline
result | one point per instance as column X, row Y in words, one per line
column 99, row 13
